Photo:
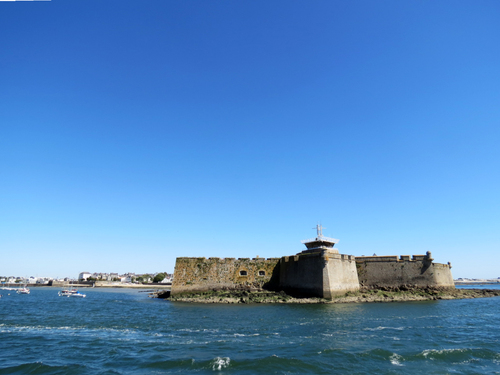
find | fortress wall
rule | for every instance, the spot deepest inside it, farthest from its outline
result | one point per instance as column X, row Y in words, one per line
column 341, row 275
column 302, row 275
column 201, row 274
column 318, row 275
column 321, row 274
column 419, row 271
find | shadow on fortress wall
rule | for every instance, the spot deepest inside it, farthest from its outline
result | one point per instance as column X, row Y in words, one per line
column 274, row 282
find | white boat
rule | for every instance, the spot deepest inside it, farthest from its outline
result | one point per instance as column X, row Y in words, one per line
column 71, row 293
column 23, row 290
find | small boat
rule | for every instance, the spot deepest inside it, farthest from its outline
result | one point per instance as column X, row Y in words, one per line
column 71, row 293
column 23, row 290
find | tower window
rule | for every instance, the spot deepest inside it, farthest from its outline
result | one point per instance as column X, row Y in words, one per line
column 262, row 273
column 243, row 273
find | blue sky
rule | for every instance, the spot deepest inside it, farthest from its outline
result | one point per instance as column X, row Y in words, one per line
column 134, row 132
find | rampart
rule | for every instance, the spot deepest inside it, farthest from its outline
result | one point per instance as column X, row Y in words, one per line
column 202, row 274
column 323, row 273
column 320, row 274
column 405, row 271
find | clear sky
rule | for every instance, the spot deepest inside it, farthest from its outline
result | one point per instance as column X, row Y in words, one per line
column 134, row 132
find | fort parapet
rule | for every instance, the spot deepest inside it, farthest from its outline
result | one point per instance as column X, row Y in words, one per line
column 319, row 271
column 202, row 274
column 411, row 271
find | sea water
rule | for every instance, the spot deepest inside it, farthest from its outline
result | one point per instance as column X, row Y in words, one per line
column 122, row 331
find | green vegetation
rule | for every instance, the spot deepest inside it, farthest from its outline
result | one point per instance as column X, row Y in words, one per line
column 365, row 295
column 159, row 277
column 242, row 296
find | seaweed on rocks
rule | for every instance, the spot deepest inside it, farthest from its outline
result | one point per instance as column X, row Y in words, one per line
column 363, row 295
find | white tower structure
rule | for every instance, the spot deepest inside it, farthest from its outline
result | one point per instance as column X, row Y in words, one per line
column 320, row 243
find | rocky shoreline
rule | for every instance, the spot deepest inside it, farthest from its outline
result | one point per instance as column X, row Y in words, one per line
column 362, row 296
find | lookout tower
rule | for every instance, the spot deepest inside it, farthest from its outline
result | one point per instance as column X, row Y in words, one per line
column 320, row 270
column 320, row 243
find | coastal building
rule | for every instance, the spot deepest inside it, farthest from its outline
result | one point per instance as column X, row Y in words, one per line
column 83, row 276
column 102, row 278
column 128, row 277
column 318, row 271
column 166, row 280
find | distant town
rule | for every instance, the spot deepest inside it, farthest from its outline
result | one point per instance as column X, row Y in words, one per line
column 145, row 278
column 462, row 280
column 87, row 277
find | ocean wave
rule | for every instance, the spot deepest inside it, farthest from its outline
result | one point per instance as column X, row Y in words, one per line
column 179, row 364
column 36, row 368
column 458, row 355
column 377, row 353
column 381, row 328
column 271, row 364
column 191, row 330
column 246, row 335
column 220, row 362
column 283, row 364
column 442, row 353
column 264, row 365
column 396, row 359
column 18, row 328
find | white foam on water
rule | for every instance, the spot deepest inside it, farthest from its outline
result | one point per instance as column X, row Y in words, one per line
column 383, row 328
column 428, row 352
column 39, row 328
column 190, row 330
column 396, row 359
column 220, row 363
column 244, row 335
column 468, row 361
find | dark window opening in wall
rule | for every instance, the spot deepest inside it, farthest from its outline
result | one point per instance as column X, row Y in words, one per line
column 243, row 273
column 262, row 273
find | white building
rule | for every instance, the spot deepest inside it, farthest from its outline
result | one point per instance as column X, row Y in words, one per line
column 84, row 276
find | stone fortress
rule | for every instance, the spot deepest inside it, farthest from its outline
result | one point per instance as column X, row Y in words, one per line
column 318, row 271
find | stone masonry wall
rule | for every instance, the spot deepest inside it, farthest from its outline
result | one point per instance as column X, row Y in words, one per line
column 318, row 275
column 309, row 275
column 393, row 272
column 302, row 275
column 201, row 274
column 342, row 275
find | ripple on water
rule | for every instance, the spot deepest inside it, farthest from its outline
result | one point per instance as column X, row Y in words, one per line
column 36, row 368
column 42, row 334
